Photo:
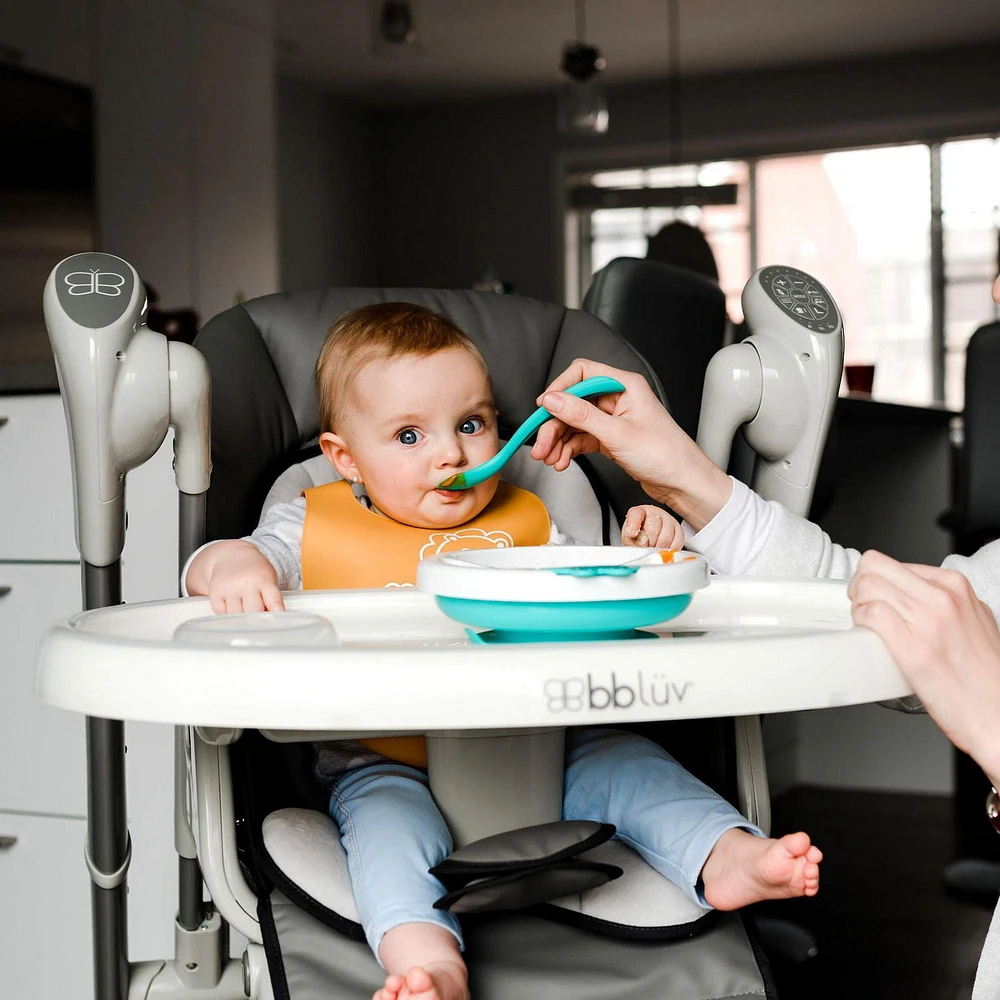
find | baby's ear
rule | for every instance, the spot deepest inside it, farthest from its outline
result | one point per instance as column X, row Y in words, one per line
column 338, row 455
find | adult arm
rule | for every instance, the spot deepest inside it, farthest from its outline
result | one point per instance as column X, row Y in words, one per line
column 736, row 530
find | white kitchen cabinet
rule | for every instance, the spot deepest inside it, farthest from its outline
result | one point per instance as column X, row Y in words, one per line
column 36, row 481
column 41, row 748
column 45, row 947
column 44, row 885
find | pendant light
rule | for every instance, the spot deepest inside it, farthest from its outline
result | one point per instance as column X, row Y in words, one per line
column 583, row 102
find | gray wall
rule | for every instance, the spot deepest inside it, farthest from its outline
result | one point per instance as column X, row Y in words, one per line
column 326, row 189
column 466, row 184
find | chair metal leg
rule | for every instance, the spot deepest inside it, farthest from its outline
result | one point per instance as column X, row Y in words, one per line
column 108, row 852
column 108, row 849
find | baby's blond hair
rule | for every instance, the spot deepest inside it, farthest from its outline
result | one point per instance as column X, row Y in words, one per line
column 378, row 333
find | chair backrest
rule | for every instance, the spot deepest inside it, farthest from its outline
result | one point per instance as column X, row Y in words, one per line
column 979, row 476
column 674, row 317
column 262, row 353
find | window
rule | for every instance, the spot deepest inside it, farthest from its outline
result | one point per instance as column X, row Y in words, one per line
column 970, row 222
column 622, row 232
column 860, row 220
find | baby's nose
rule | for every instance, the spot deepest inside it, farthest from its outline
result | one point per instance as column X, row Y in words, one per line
column 451, row 453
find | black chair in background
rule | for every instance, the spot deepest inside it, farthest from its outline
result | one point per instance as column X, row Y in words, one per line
column 674, row 318
column 974, row 521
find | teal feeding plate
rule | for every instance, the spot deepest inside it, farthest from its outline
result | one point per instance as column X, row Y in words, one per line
column 522, row 621
column 561, row 593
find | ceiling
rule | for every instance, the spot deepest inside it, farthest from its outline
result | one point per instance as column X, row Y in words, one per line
column 478, row 47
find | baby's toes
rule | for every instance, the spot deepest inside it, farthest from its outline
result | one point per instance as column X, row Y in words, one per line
column 797, row 844
column 418, row 980
column 814, row 855
column 390, row 990
column 810, row 878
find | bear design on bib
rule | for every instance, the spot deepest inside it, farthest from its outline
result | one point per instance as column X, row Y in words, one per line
column 465, row 539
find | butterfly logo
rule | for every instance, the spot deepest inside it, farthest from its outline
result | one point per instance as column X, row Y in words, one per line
column 96, row 282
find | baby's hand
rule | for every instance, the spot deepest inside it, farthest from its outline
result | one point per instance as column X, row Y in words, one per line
column 244, row 580
column 236, row 576
column 651, row 527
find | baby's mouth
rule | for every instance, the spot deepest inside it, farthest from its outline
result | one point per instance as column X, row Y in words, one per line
column 451, row 495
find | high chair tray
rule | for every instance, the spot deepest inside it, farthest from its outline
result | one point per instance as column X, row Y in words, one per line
column 744, row 646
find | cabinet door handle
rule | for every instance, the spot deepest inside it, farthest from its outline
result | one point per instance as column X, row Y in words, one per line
column 4, row 591
column 7, row 842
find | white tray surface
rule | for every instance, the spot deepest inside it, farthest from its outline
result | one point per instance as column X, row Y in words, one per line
column 744, row 646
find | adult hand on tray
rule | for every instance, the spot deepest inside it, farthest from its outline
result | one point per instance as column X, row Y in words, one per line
column 633, row 429
column 944, row 640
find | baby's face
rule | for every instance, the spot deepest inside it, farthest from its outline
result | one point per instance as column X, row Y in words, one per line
column 412, row 422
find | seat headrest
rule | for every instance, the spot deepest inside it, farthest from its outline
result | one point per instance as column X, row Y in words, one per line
column 261, row 355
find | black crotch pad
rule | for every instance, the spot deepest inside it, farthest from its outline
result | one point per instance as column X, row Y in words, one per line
column 520, row 868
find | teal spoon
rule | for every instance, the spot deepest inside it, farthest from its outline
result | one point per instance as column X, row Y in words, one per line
column 599, row 385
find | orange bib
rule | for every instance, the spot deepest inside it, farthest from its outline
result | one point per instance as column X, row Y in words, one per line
column 346, row 546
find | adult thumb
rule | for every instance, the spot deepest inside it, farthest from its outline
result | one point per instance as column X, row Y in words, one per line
column 580, row 414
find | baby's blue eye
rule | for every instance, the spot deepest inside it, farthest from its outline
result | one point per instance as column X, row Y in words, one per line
column 471, row 426
column 409, row 436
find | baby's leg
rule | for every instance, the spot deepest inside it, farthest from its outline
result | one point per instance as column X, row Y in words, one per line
column 432, row 961
column 393, row 833
column 678, row 824
column 743, row 869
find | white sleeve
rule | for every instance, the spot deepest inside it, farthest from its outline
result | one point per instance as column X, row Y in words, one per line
column 752, row 536
column 279, row 538
column 982, row 569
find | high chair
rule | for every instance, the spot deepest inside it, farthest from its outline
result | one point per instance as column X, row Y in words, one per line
column 261, row 355
column 549, row 908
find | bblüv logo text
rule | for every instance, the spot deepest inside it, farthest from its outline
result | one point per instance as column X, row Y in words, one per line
column 578, row 694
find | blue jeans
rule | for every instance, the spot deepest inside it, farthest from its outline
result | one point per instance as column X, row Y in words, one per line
column 393, row 833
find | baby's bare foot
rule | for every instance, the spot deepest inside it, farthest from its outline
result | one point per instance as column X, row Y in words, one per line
column 435, row 981
column 744, row 869
column 391, row 988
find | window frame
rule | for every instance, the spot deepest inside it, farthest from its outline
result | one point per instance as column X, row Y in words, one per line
column 575, row 236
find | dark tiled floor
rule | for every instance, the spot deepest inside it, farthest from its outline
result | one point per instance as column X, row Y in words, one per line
column 884, row 925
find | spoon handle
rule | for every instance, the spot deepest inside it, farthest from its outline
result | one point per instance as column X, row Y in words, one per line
column 599, row 385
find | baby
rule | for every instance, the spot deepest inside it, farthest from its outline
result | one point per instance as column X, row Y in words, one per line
column 405, row 401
